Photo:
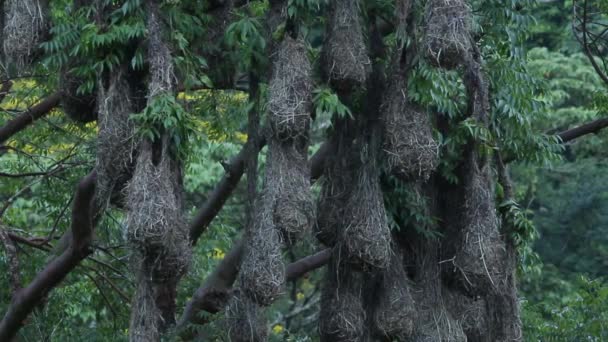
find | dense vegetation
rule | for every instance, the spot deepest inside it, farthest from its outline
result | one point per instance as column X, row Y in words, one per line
column 126, row 127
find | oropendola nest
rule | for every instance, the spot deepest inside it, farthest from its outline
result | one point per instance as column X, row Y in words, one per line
column 155, row 219
column 290, row 91
column 409, row 145
column 394, row 312
column 447, row 33
column 262, row 273
column 245, row 319
column 342, row 315
column 115, row 142
column 78, row 107
column 365, row 239
column 471, row 312
column 287, row 184
column 345, row 59
column 480, row 261
column 335, row 192
column 24, row 25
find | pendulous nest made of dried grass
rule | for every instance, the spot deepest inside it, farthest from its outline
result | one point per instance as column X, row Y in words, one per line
column 145, row 316
column 24, row 25
column 342, row 315
column 161, row 72
column 409, row 145
column 470, row 312
column 245, row 320
column 447, row 33
column 262, row 273
column 395, row 313
column 481, row 258
column 345, row 59
column 78, row 107
column 290, row 90
column 155, row 220
column 115, row 142
column 287, row 187
column 365, row 239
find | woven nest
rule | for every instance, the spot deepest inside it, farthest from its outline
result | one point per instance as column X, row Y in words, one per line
column 408, row 141
column 447, row 42
column 366, row 237
column 290, row 91
column 287, row 187
column 395, row 313
column 24, row 25
column 336, row 186
column 155, row 224
column 262, row 273
column 437, row 324
column 345, row 60
column 481, row 257
column 470, row 312
column 145, row 314
column 245, row 320
column 78, row 107
column 115, row 141
column 342, row 315
column 162, row 73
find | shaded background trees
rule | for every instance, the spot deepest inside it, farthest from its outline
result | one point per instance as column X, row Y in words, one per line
column 539, row 79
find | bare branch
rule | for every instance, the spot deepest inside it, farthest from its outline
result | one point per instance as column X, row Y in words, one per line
column 27, row 298
column 588, row 128
column 28, row 117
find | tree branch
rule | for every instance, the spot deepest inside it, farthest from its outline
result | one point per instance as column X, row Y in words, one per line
column 588, row 128
column 28, row 117
column 27, row 298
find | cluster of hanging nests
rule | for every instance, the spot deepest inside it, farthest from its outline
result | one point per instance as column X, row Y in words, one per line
column 447, row 33
column 24, row 26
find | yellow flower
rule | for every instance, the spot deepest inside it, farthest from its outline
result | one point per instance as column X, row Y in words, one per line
column 277, row 329
column 217, row 254
column 299, row 296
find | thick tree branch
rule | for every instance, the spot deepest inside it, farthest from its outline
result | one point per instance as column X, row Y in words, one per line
column 26, row 118
column 588, row 128
column 27, row 298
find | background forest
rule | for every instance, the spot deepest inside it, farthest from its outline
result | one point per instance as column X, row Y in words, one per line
column 562, row 189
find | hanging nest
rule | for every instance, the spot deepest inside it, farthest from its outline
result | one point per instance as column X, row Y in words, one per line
column 411, row 149
column 447, row 41
column 394, row 312
column 345, row 60
column 480, row 260
column 245, row 320
column 342, row 316
column 115, row 141
column 162, row 73
column 437, row 324
column 78, row 107
column 262, row 273
column 287, row 184
column 290, row 91
column 365, row 238
column 155, row 224
column 145, row 315
column 24, row 25
column 470, row 312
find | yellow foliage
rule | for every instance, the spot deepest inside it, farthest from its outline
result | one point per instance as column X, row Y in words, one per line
column 277, row 329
